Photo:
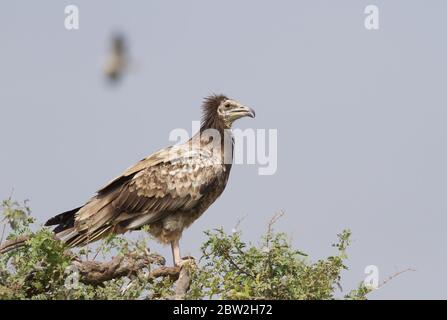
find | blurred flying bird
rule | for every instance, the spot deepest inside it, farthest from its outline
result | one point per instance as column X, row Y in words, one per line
column 117, row 60
column 167, row 190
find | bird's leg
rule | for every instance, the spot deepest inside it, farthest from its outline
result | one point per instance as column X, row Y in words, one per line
column 176, row 252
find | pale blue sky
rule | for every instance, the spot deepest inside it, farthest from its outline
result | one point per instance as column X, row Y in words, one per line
column 361, row 117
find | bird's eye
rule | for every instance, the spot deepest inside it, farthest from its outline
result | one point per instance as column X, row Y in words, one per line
column 227, row 106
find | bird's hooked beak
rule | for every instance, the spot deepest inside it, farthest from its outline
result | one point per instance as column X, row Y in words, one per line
column 242, row 111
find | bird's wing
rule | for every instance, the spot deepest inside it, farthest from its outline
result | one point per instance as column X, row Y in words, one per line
column 152, row 160
column 170, row 180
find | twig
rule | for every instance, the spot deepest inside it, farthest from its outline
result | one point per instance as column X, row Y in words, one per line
column 3, row 232
column 391, row 277
column 234, row 264
column 272, row 221
column 268, row 261
column 238, row 223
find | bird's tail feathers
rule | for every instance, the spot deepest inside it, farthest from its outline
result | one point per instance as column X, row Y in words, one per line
column 73, row 238
column 63, row 221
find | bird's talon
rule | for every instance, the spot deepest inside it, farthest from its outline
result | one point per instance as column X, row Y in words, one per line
column 185, row 260
column 188, row 258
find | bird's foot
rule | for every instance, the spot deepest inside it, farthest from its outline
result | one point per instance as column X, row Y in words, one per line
column 185, row 260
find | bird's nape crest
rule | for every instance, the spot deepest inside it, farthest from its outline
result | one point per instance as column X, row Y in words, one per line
column 209, row 109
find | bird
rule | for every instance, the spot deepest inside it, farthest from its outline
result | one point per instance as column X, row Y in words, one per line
column 116, row 61
column 165, row 191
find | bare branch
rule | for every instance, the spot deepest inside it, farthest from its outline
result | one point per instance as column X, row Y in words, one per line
column 183, row 283
column 95, row 273
column 3, row 232
column 164, row 271
column 273, row 220
column 12, row 244
column 395, row 275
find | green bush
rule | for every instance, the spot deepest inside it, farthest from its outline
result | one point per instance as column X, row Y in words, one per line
column 229, row 268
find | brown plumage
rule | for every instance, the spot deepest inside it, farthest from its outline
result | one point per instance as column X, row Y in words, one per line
column 167, row 190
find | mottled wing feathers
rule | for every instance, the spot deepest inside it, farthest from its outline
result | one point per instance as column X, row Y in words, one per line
column 171, row 180
column 145, row 163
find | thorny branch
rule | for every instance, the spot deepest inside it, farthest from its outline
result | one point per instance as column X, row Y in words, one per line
column 95, row 273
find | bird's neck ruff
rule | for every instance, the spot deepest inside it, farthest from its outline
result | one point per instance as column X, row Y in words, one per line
column 210, row 118
column 214, row 133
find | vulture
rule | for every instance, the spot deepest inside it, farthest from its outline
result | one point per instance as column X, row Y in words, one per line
column 116, row 61
column 167, row 191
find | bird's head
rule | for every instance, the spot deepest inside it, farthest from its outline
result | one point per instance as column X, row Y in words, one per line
column 220, row 112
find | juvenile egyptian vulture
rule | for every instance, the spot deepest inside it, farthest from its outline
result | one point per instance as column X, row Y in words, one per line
column 167, row 190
